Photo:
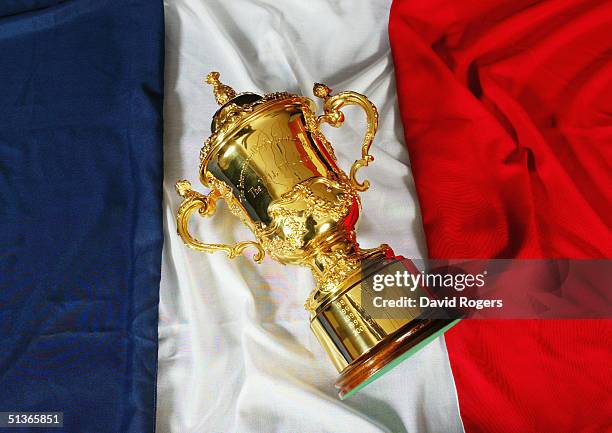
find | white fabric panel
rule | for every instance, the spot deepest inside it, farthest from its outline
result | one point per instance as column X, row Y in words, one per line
column 236, row 353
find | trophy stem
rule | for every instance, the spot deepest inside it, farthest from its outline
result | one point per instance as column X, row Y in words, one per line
column 335, row 268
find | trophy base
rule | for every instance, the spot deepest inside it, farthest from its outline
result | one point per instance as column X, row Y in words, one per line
column 387, row 354
column 365, row 336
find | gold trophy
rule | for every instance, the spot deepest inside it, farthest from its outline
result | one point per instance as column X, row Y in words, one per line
column 268, row 159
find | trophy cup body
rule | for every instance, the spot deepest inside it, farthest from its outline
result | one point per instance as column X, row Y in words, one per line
column 268, row 159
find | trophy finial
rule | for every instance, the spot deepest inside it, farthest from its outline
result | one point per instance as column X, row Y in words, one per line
column 223, row 93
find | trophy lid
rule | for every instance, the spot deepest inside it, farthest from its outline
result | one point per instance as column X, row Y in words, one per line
column 234, row 107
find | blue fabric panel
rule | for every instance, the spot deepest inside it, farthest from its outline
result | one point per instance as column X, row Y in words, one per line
column 81, row 86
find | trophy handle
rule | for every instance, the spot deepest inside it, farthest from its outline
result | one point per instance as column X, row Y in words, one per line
column 206, row 205
column 334, row 116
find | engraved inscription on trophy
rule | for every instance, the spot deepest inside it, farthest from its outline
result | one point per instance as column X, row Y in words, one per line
column 254, row 190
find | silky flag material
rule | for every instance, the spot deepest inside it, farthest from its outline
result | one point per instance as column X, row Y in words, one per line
column 506, row 111
column 80, row 193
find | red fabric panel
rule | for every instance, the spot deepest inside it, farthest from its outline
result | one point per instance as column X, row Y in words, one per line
column 507, row 112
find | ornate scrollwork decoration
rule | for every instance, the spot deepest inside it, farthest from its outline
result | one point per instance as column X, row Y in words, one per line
column 335, row 117
column 206, row 205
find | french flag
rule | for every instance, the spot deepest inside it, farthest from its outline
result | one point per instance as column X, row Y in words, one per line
column 495, row 142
